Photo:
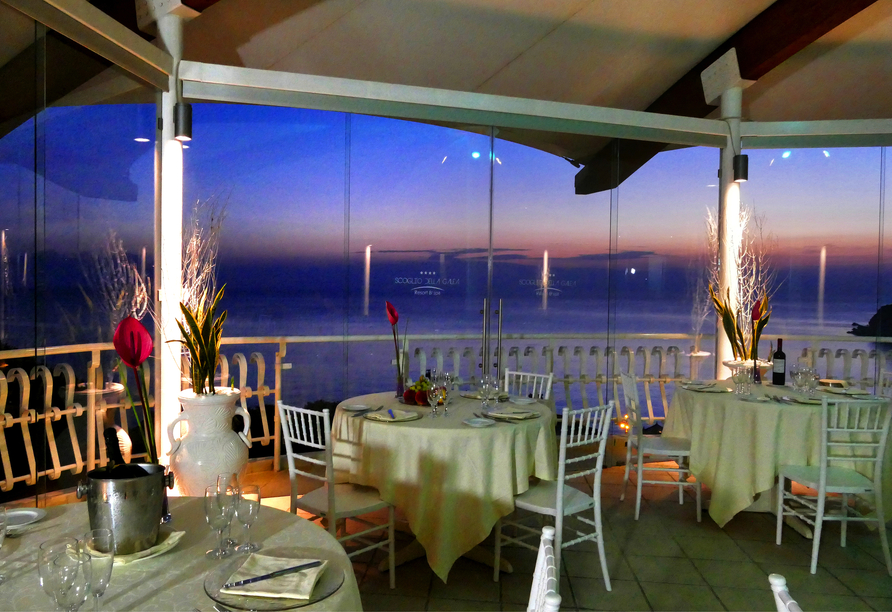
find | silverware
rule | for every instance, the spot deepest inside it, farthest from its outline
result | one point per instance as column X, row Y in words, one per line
column 276, row 574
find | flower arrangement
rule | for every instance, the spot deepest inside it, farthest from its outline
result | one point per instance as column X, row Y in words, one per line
column 201, row 335
column 133, row 344
column 394, row 317
column 744, row 337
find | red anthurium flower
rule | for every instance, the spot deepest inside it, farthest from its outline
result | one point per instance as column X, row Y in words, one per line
column 757, row 310
column 392, row 315
column 132, row 342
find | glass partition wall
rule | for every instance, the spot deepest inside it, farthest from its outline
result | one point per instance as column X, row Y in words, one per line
column 327, row 215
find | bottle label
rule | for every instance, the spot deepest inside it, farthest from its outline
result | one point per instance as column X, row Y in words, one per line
column 779, row 366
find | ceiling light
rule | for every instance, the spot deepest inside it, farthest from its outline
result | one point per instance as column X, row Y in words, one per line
column 141, row 139
column 741, row 168
column 182, row 121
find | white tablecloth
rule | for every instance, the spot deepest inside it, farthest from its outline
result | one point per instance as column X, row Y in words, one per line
column 452, row 481
column 737, row 446
column 172, row 581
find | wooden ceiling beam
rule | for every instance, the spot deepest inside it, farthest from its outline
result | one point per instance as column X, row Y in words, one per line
column 772, row 37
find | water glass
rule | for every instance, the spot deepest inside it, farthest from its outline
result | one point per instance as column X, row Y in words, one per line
column 485, row 389
column 228, row 480
column 433, row 398
column 247, row 511
column 100, row 545
column 218, row 511
column 71, row 578
column 447, row 385
column 47, row 553
column 741, row 377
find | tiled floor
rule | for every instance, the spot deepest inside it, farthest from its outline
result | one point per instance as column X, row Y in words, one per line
column 663, row 561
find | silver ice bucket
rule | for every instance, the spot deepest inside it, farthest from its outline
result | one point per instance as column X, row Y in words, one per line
column 130, row 507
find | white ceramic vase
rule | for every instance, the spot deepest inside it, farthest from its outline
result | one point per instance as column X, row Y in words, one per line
column 209, row 447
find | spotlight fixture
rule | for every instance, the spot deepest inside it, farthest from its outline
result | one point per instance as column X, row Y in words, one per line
column 182, row 121
column 741, row 168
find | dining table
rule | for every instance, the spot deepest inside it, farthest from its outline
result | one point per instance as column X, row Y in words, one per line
column 451, row 479
column 175, row 579
column 738, row 441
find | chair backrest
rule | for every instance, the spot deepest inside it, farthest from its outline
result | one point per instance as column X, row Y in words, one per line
column 782, row 598
column 585, row 430
column 633, row 403
column 854, row 432
column 543, row 594
column 525, row 384
column 311, row 429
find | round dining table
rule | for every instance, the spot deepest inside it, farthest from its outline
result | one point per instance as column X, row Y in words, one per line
column 738, row 442
column 173, row 580
column 451, row 480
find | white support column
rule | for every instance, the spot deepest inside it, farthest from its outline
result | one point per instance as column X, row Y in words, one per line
column 169, row 244
column 721, row 81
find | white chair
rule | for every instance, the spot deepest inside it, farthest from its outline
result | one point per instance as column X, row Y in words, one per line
column 782, row 598
column 524, row 384
column 655, row 447
column 544, row 592
column 585, row 432
column 334, row 502
column 853, row 432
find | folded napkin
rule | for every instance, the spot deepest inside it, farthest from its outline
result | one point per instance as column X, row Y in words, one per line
column 502, row 397
column 846, row 391
column 166, row 541
column 298, row 585
column 398, row 415
column 511, row 413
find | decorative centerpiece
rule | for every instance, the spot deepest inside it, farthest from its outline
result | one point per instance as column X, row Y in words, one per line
column 394, row 317
column 743, row 336
column 210, row 446
column 417, row 392
column 129, row 498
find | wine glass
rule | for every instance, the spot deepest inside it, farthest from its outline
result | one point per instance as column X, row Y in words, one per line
column 228, row 480
column 100, row 545
column 740, row 376
column 3, row 524
column 247, row 511
column 433, row 397
column 71, row 578
column 447, row 385
column 218, row 510
column 485, row 389
column 48, row 552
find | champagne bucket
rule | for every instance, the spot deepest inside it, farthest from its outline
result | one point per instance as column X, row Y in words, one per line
column 129, row 507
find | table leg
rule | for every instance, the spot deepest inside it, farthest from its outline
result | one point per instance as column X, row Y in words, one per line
column 414, row 550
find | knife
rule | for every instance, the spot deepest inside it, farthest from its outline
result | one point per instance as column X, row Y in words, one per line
column 281, row 572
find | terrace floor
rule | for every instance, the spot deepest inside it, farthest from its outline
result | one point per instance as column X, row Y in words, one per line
column 663, row 561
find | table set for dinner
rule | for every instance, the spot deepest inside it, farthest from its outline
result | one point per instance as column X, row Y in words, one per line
column 52, row 558
column 739, row 439
column 453, row 472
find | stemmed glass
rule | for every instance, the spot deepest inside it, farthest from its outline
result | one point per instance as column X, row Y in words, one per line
column 47, row 553
column 3, row 524
column 218, row 510
column 433, row 397
column 485, row 388
column 741, row 377
column 247, row 511
column 100, row 545
column 448, row 381
column 223, row 481
column 71, row 578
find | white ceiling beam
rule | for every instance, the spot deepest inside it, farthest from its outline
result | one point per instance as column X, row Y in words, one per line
column 88, row 26
column 816, row 134
column 213, row 82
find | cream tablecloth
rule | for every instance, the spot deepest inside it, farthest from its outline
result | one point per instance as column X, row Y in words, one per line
column 452, row 481
column 737, row 446
column 172, row 581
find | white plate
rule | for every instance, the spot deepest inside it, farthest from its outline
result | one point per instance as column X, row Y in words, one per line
column 512, row 415
column 478, row 422
column 847, row 391
column 19, row 517
column 522, row 401
column 354, row 407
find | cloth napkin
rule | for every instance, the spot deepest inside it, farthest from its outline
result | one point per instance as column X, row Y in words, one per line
column 298, row 585
column 166, row 541
column 398, row 415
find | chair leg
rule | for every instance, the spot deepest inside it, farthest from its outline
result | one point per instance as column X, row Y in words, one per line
column 881, row 527
column 601, row 553
column 699, row 502
column 558, row 545
column 844, row 520
column 780, row 509
column 626, row 473
column 391, row 552
column 497, row 533
column 819, row 523
column 680, row 480
column 638, row 485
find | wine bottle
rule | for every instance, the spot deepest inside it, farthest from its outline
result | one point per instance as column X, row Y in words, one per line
column 779, row 371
